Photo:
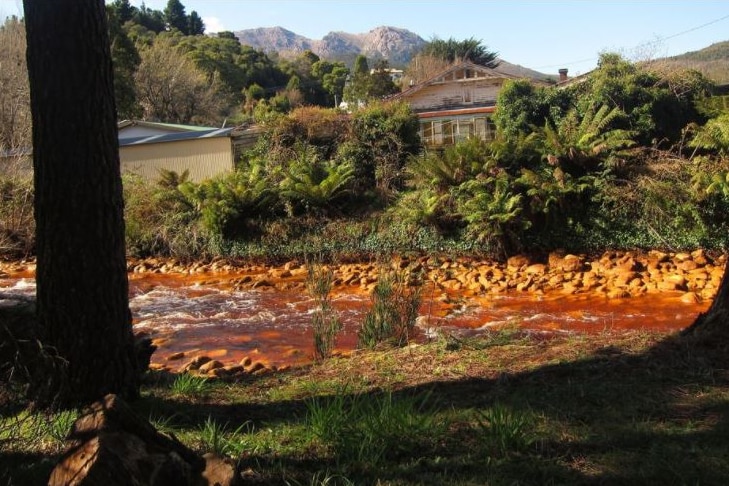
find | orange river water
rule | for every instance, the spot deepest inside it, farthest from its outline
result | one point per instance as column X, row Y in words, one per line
column 274, row 327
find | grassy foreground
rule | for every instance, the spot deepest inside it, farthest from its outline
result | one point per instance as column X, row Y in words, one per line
column 507, row 408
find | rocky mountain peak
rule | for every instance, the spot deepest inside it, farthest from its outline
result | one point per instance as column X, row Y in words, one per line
column 394, row 44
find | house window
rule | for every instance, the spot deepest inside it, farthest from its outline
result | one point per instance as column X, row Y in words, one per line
column 427, row 132
column 490, row 128
column 480, row 127
column 449, row 132
column 467, row 95
column 465, row 129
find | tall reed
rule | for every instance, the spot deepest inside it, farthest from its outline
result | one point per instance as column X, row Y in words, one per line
column 395, row 306
column 325, row 320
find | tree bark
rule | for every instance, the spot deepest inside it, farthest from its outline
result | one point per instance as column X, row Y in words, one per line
column 82, row 287
column 716, row 318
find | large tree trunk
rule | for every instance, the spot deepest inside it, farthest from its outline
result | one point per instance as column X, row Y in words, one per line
column 716, row 318
column 82, row 287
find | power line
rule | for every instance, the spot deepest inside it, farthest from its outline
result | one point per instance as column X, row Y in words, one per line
column 660, row 39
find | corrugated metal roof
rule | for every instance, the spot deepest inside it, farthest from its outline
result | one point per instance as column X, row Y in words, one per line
column 167, row 126
column 176, row 137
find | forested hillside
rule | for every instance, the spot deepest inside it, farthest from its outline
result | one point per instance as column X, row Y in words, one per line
column 712, row 61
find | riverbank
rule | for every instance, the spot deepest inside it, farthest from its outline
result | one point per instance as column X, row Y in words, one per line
column 558, row 284
column 613, row 274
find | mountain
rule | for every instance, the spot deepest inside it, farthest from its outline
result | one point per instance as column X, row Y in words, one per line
column 390, row 43
column 274, row 39
column 394, row 44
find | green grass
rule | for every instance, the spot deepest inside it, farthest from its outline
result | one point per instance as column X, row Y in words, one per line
column 609, row 408
column 190, row 385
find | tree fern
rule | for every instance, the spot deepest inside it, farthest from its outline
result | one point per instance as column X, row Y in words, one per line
column 585, row 141
column 313, row 184
column 453, row 166
column 714, row 136
column 492, row 212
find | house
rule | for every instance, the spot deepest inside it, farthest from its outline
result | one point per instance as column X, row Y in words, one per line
column 456, row 103
column 146, row 148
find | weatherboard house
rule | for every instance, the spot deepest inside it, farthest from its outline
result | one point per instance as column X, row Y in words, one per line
column 456, row 103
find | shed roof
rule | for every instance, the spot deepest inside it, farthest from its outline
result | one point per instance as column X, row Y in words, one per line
column 176, row 137
column 166, row 126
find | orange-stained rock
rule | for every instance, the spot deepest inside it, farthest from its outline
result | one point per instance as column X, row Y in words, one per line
column 688, row 265
column 234, row 369
column 669, row 286
column 691, row 298
column 197, row 362
column 618, row 294
column 209, row 366
column 256, row 366
column 624, row 277
column 699, row 256
column 518, row 262
column 679, row 280
column 536, row 269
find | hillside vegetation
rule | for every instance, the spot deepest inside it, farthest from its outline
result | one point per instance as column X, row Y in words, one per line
column 712, row 62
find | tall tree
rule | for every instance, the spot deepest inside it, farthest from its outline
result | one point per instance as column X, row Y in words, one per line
column 452, row 50
column 123, row 9
column 175, row 16
column 172, row 89
column 14, row 97
column 82, row 287
column 152, row 20
column 357, row 89
column 125, row 60
column 195, row 25
column 438, row 54
column 381, row 83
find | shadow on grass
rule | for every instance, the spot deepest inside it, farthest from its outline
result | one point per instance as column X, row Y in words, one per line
column 658, row 417
column 614, row 417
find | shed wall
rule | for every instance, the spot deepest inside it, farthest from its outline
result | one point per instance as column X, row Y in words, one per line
column 204, row 158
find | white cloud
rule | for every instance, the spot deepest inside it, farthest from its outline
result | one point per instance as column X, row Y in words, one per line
column 212, row 25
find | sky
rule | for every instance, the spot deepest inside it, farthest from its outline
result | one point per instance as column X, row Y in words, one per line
column 544, row 35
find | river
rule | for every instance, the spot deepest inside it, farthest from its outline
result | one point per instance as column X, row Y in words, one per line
column 187, row 318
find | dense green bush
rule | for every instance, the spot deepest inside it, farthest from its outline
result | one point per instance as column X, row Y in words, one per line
column 160, row 221
column 574, row 168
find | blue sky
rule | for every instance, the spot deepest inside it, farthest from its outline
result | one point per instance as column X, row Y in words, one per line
column 544, row 35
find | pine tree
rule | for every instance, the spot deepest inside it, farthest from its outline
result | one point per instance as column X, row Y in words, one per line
column 195, row 25
column 175, row 16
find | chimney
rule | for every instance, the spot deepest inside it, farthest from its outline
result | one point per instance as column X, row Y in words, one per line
column 562, row 75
